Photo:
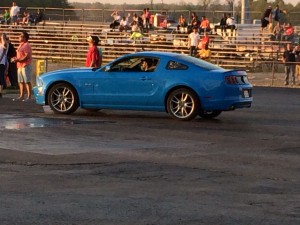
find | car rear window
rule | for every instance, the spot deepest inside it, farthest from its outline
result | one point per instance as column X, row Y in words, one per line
column 200, row 63
column 173, row 65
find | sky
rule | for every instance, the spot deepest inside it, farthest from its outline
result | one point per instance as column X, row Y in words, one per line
column 294, row 2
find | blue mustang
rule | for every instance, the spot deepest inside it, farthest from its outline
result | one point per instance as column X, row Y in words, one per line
column 181, row 85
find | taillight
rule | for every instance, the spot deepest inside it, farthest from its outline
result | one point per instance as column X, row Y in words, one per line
column 236, row 79
column 231, row 80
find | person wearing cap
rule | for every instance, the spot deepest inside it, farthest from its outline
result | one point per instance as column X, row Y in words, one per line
column 93, row 57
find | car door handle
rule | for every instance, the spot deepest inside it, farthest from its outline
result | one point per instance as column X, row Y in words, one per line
column 145, row 78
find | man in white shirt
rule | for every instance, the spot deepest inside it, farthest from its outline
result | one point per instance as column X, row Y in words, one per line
column 230, row 23
column 124, row 24
column 194, row 39
column 14, row 11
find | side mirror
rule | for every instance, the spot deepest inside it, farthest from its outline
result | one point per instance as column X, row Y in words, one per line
column 107, row 68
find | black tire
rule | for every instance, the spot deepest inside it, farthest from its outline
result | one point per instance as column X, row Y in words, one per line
column 63, row 99
column 183, row 104
column 209, row 114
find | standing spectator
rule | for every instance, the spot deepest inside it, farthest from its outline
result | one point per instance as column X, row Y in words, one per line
column 276, row 14
column 93, row 56
column 193, row 42
column 6, row 17
column 24, row 59
column 204, row 25
column 14, row 11
column 12, row 67
column 147, row 18
column 230, row 23
column 3, row 62
column 223, row 25
column 297, row 54
column 289, row 59
column 116, row 21
column 266, row 18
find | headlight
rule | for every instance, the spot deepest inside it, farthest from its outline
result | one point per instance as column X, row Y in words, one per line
column 39, row 82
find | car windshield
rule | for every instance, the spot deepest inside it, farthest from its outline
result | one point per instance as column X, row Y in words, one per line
column 200, row 63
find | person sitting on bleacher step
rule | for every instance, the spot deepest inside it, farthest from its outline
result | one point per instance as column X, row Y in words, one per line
column 116, row 21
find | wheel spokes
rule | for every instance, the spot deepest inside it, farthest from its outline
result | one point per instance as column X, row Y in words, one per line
column 182, row 105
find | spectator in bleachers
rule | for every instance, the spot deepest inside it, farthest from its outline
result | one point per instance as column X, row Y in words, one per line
column 38, row 17
column 14, row 11
column 124, row 24
column 205, row 53
column 204, row 25
column 223, row 25
column 266, row 18
column 6, row 17
column 193, row 41
column 230, row 23
column 147, row 16
column 276, row 14
column 27, row 18
column 288, row 32
column 193, row 23
column 135, row 31
column 116, row 20
column 277, row 33
column 204, row 41
column 181, row 22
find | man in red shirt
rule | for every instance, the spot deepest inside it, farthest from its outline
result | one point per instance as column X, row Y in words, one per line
column 93, row 57
column 23, row 60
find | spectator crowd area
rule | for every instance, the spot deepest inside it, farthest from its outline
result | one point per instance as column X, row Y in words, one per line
column 245, row 48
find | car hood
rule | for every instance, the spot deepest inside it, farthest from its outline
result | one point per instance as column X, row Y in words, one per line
column 68, row 71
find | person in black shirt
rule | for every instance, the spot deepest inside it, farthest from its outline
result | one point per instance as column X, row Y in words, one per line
column 289, row 59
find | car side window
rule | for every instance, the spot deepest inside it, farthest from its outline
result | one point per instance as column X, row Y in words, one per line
column 172, row 65
column 126, row 65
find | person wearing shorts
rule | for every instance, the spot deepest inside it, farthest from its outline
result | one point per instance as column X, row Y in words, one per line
column 24, row 59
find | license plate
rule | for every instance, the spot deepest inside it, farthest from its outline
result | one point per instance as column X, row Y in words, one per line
column 246, row 93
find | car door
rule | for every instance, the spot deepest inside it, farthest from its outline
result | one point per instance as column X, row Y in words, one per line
column 125, row 85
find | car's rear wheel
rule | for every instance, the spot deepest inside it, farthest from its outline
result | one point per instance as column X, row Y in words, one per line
column 183, row 104
column 209, row 114
column 63, row 98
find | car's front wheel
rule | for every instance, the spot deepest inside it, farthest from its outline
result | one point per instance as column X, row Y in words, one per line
column 63, row 98
column 209, row 114
column 183, row 104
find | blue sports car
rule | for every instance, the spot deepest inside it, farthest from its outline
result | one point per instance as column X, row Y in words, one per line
column 181, row 85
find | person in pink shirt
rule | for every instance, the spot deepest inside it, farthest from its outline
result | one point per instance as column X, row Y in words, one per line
column 23, row 60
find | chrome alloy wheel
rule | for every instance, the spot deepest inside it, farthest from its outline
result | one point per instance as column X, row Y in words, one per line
column 183, row 104
column 62, row 98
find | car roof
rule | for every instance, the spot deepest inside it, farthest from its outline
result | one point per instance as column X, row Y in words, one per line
column 155, row 54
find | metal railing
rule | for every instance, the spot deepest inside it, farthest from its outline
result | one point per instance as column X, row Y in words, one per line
column 104, row 15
